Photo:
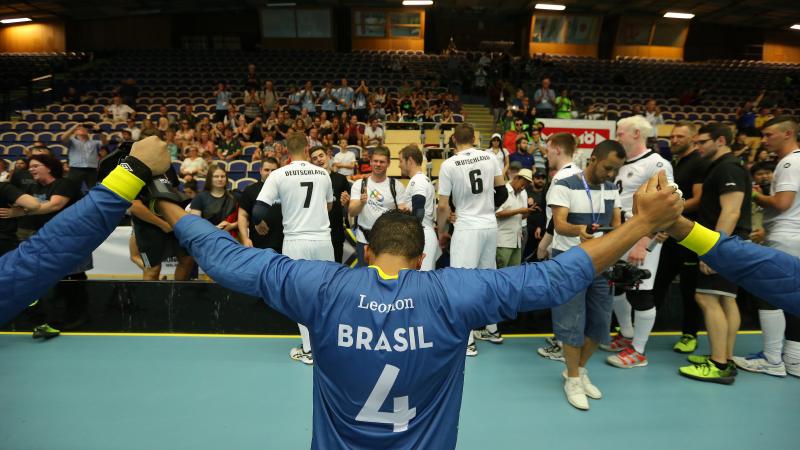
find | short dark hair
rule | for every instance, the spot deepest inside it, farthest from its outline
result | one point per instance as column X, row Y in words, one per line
column 191, row 184
column 564, row 141
column 51, row 162
column 715, row 130
column 316, row 148
column 464, row 134
column 381, row 150
column 786, row 120
column 413, row 152
column 607, row 147
column 686, row 124
column 296, row 142
column 397, row 233
column 271, row 160
column 762, row 165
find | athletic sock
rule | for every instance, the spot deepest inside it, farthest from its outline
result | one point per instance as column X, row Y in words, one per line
column 720, row 366
column 622, row 309
column 644, row 325
column 305, row 337
column 773, row 325
column 492, row 328
column 791, row 352
column 471, row 340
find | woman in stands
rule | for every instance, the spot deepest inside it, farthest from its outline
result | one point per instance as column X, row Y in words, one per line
column 243, row 130
column 185, row 135
column 380, row 96
column 193, row 165
column 216, row 203
column 361, row 101
column 269, row 98
column 353, row 132
column 206, row 144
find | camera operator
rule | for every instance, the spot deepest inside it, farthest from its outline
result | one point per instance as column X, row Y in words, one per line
column 583, row 203
column 83, row 154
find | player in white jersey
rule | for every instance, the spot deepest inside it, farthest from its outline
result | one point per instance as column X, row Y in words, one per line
column 782, row 225
column 419, row 198
column 474, row 182
column 306, row 195
column 371, row 197
column 641, row 164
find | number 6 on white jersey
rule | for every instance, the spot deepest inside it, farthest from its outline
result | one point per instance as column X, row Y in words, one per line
column 371, row 410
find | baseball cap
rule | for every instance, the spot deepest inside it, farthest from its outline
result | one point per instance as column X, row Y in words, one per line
column 515, row 165
column 540, row 174
column 526, row 174
column 497, row 136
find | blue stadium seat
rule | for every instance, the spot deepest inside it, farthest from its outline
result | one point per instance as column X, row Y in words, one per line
column 244, row 183
column 238, row 166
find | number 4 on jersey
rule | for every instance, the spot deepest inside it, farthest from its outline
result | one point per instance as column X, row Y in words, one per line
column 371, row 411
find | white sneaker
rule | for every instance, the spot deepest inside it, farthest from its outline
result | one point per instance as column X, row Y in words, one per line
column 486, row 335
column 472, row 350
column 758, row 363
column 552, row 351
column 297, row 354
column 576, row 396
column 792, row 369
column 590, row 389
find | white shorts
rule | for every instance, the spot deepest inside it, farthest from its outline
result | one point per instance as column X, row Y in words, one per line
column 432, row 251
column 474, row 249
column 651, row 264
column 310, row 250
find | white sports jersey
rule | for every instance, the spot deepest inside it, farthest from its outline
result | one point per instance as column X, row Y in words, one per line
column 501, row 155
column 468, row 178
column 420, row 185
column 634, row 173
column 564, row 172
column 304, row 191
column 786, row 179
column 379, row 200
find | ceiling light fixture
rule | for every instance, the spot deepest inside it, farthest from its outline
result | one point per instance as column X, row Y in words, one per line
column 678, row 15
column 281, row 4
column 795, row 26
column 549, row 7
column 417, row 2
column 17, row 20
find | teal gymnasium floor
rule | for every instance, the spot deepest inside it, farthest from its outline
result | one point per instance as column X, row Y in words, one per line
column 86, row 392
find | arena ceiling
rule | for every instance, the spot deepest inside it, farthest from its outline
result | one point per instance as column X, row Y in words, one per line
column 774, row 14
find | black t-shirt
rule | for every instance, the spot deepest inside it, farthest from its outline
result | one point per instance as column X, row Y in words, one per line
column 8, row 196
column 690, row 170
column 273, row 239
column 214, row 209
column 336, row 214
column 538, row 218
column 60, row 186
column 725, row 175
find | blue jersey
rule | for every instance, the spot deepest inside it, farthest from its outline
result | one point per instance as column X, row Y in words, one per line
column 388, row 350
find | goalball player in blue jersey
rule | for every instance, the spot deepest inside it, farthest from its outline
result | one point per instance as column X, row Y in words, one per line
column 388, row 339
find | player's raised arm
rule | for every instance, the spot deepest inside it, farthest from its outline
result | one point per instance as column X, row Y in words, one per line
column 291, row 287
column 489, row 296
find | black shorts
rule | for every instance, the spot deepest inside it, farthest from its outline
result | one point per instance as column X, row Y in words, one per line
column 715, row 285
column 154, row 245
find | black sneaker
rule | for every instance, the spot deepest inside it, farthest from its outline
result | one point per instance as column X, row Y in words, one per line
column 45, row 331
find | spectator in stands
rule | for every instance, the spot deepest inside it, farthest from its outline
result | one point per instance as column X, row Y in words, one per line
column 148, row 129
column 136, row 132
column 537, row 147
column 306, row 118
column 188, row 115
column 497, row 100
column 222, row 102
column 129, row 91
column 172, row 120
column 380, row 96
column 746, row 116
column 344, row 96
column 102, row 153
column 229, row 147
column 185, row 135
column 293, row 101
column 344, row 162
column 243, row 130
column 353, row 132
column 252, row 103
column 192, row 164
column 163, row 126
column 521, row 154
column 361, row 95
column 266, row 149
column 763, row 117
column 376, row 110
column 537, row 219
column 510, row 137
column 269, row 98
column 190, row 189
column 545, row 99
column 174, row 150
column 308, row 99
column 216, row 203
column 324, row 123
column 741, row 149
column 119, row 111
column 231, row 117
column 496, row 148
column 268, row 233
column 5, row 175
column 82, row 152
column 564, row 105
column 313, row 138
column 763, row 156
column 373, row 134
column 653, row 115
column 328, row 98
column 251, row 79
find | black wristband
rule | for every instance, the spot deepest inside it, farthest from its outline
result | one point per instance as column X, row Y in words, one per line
column 137, row 168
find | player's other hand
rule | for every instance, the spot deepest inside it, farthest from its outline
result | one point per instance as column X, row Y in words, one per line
column 262, row 228
column 705, row 269
column 444, row 239
column 363, row 198
column 637, row 255
column 656, row 202
column 152, row 151
column 345, row 198
column 758, row 236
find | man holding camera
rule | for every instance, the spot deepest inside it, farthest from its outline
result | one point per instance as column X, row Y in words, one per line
column 583, row 204
column 82, row 152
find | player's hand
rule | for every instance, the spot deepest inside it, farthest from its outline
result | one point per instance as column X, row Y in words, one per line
column 637, row 255
column 758, row 236
column 452, row 218
column 262, row 228
column 247, row 242
column 757, row 188
column 363, row 198
column 10, row 213
column 223, row 225
column 152, row 151
column 444, row 239
column 658, row 202
column 166, row 228
column 537, row 233
column 705, row 269
column 345, row 198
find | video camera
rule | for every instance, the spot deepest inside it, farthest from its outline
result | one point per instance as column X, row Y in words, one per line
column 625, row 276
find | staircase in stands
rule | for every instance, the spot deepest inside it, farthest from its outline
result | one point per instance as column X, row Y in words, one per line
column 480, row 116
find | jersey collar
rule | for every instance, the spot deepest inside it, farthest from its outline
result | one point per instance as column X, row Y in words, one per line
column 383, row 274
column 648, row 153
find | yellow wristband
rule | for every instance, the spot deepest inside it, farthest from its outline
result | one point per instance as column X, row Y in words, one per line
column 701, row 240
column 123, row 183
